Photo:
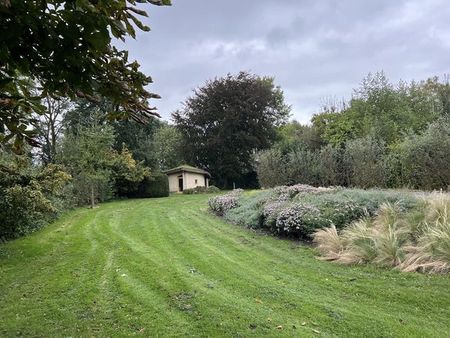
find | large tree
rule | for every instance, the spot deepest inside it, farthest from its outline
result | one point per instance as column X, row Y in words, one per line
column 167, row 145
column 227, row 120
column 89, row 157
column 50, row 127
column 63, row 48
column 139, row 139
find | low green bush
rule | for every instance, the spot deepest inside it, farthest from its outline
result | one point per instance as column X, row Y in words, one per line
column 156, row 185
column 196, row 190
column 201, row 190
column 29, row 197
column 212, row 189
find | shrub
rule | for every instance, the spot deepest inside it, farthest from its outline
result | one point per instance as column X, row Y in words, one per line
column 29, row 197
column 196, row 190
column 300, row 220
column 423, row 161
column 212, row 189
column 223, row 203
column 249, row 212
column 271, row 168
column 304, row 166
column 341, row 213
column 271, row 211
column 334, row 167
column 289, row 192
column 365, row 159
column 341, row 207
column 189, row 191
column 201, row 190
column 127, row 173
column 156, row 185
column 332, row 206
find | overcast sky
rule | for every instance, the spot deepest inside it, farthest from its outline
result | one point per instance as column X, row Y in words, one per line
column 315, row 49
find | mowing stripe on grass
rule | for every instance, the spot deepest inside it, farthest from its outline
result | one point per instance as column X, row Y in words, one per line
column 166, row 267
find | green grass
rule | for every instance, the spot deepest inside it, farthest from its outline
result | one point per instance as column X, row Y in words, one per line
column 166, row 267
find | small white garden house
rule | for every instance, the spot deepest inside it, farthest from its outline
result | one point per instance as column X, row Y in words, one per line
column 187, row 177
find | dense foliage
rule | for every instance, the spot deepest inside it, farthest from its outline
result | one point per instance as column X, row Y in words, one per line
column 226, row 120
column 139, row 139
column 29, row 196
column 157, row 144
column 87, row 154
column 64, row 48
column 385, row 136
column 379, row 108
column 155, row 185
column 168, row 147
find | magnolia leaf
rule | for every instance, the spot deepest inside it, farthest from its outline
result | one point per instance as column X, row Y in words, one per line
column 137, row 11
column 139, row 24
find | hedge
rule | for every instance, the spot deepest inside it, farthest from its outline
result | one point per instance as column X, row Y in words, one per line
column 157, row 185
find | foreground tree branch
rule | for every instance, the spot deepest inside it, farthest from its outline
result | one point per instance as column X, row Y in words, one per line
column 64, row 48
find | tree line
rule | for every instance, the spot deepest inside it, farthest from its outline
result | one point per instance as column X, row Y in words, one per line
column 385, row 136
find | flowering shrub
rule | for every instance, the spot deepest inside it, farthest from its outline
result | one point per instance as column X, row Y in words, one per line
column 270, row 213
column 300, row 210
column 300, row 220
column 289, row 192
column 223, row 203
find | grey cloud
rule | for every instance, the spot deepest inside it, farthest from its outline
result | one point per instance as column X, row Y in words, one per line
column 314, row 49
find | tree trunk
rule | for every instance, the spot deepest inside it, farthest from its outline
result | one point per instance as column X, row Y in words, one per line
column 92, row 197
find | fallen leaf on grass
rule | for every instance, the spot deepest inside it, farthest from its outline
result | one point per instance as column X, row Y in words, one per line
column 315, row 331
column 259, row 301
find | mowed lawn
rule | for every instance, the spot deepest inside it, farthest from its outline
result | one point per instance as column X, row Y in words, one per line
column 166, row 267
